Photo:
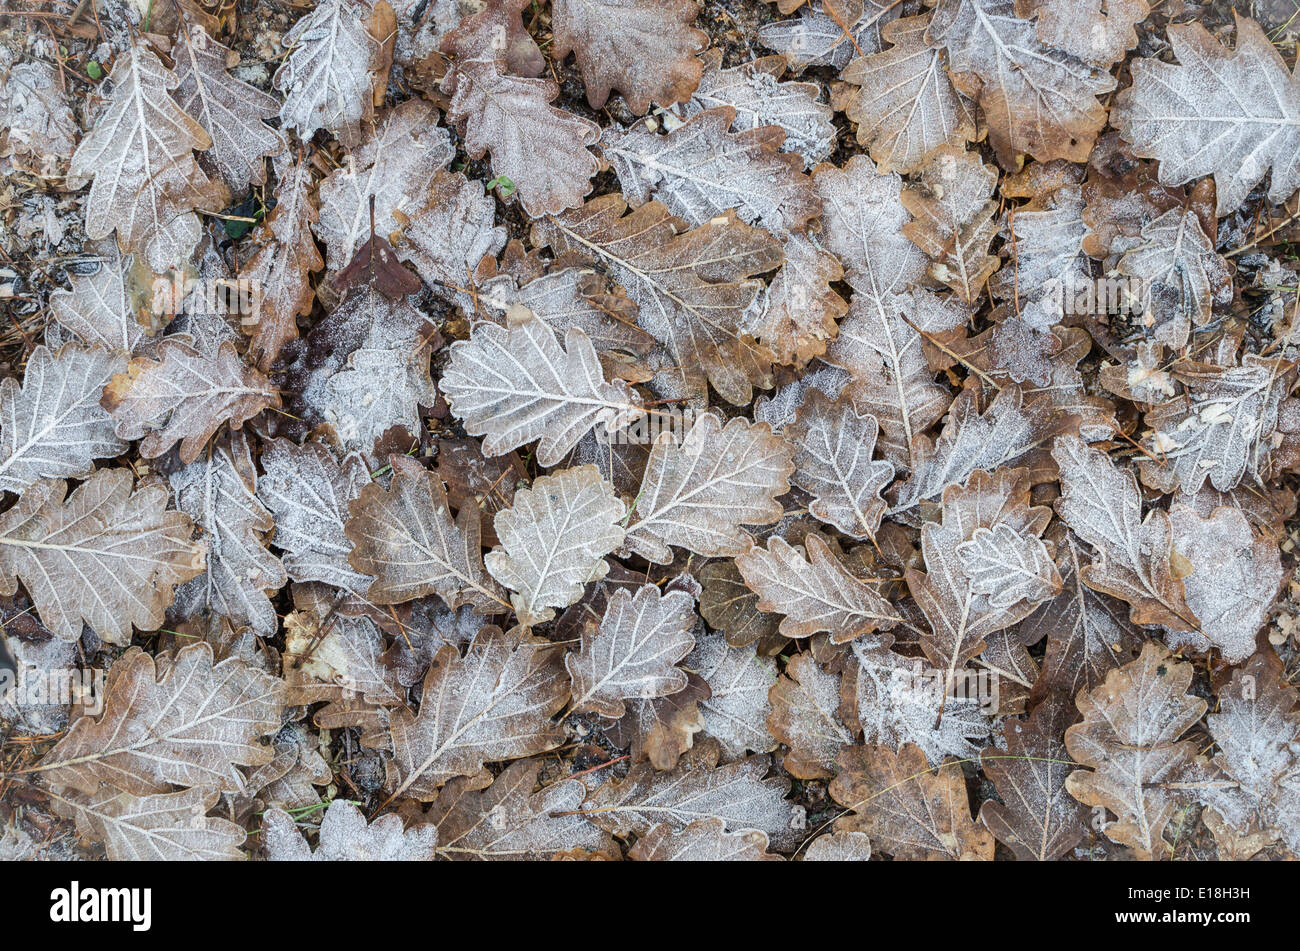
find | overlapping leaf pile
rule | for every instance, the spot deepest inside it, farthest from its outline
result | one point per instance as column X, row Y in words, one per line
column 884, row 446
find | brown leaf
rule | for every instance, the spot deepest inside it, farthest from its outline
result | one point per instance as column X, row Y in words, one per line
column 1130, row 737
column 704, row 840
column 493, row 704
column 908, row 809
column 184, row 396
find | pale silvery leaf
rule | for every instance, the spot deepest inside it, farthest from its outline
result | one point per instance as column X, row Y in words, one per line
column 889, row 377
column 381, row 387
column 1048, row 260
column 41, row 127
column 896, row 703
column 394, row 164
column 1234, row 579
column 833, row 444
column 43, row 660
column 219, row 493
column 448, row 238
column 704, row 840
column 632, row 654
column 521, row 825
column 53, row 425
column 103, row 556
column 698, row 494
column 326, row 76
column 643, row 48
column 516, row 384
column 839, row 847
column 816, row 39
column 700, row 169
column 1130, row 737
column 140, row 154
column 493, row 704
column 1221, row 428
column 345, row 837
column 906, row 106
column 737, row 793
column 164, row 827
column 1010, row 428
column 1175, row 263
column 815, row 593
column 230, row 110
column 960, row 617
column 308, row 492
column 1008, row 566
column 98, row 309
column 406, row 538
column 540, row 148
column 754, row 90
column 555, row 537
column 735, row 713
column 1233, row 115
column 174, row 720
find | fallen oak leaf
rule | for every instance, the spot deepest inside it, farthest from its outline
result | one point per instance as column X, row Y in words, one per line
column 184, row 396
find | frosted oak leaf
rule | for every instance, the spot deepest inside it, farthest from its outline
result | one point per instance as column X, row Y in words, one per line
column 554, row 539
column 517, row 384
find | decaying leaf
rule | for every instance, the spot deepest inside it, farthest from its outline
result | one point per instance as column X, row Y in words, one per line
column 308, row 493
column 1037, row 100
column 104, row 556
column 508, row 821
column 805, row 717
column 174, row 720
column 184, row 396
column 906, row 808
column 816, row 593
column 406, row 538
column 833, row 444
column 1235, row 575
column 162, row 827
column 644, row 50
column 493, row 704
column 1103, row 505
column 540, row 148
column 907, row 105
column 755, row 91
column 1036, row 818
column 692, row 287
column 1130, row 737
